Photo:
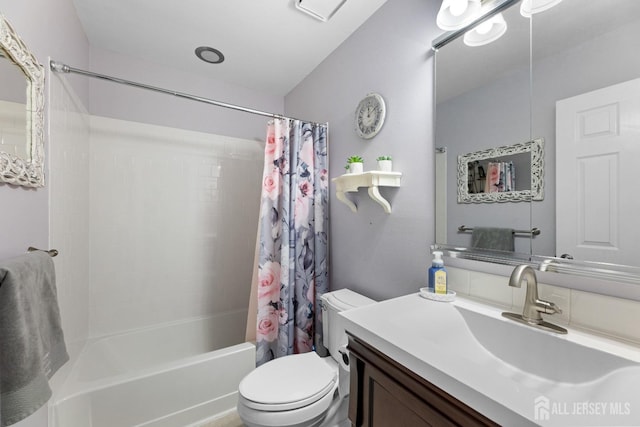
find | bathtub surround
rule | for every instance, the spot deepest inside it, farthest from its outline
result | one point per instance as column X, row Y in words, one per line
column 156, row 257
column 292, row 269
column 173, row 231
column 185, row 383
column 69, row 209
column 33, row 347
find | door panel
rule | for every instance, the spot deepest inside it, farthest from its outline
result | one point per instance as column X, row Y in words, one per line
column 598, row 156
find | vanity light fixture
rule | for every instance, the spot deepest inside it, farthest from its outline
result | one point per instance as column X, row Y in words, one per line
column 456, row 14
column 531, row 7
column 209, row 54
column 486, row 32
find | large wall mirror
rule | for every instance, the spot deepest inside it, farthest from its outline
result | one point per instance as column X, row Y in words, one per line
column 483, row 103
column 21, row 112
column 569, row 75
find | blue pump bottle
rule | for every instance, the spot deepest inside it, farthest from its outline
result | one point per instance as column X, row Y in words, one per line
column 437, row 275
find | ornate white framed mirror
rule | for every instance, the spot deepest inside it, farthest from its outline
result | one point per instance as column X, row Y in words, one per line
column 21, row 111
column 511, row 173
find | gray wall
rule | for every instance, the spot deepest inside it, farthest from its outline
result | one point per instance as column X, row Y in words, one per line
column 49, row 28
column 492, row 116
column 129, row 103
column 53, row 31
column 374, row 253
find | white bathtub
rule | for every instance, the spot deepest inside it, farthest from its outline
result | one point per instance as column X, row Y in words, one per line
column 175, row 375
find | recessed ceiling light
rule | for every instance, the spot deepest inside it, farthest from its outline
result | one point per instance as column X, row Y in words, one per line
column 209, row 54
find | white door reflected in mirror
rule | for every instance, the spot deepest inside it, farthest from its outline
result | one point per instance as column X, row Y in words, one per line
column 598, row 154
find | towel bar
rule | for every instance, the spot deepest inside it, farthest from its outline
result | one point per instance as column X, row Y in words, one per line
column 51, row 252
column 533, row 232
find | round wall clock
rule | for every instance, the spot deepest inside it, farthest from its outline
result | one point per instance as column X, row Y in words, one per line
column 370, row 116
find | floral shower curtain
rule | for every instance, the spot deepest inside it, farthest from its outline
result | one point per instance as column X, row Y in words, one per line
column 292, row 265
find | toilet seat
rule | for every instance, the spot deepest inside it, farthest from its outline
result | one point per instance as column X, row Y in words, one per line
column 289, row 383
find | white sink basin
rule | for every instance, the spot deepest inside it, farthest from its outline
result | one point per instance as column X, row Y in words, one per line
column 503, row 368
column 540, row 353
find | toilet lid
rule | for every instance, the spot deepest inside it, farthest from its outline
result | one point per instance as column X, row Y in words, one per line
column 345, row 299
column 288, row 382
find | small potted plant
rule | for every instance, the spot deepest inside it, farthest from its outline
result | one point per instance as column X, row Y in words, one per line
column 385, row 164
column 355, row 164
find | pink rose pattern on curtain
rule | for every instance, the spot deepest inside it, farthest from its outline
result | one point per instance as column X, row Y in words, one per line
column 292, row 268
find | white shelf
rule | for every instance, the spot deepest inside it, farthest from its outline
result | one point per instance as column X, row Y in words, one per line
column 350, row 182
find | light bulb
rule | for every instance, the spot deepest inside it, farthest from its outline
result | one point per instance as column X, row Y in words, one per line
column 531, row 7
column 487, row 32
column 458, row 7
column 485, row 27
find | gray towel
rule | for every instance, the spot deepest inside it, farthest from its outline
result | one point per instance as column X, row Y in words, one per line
column 31, row 341
column 499, row 239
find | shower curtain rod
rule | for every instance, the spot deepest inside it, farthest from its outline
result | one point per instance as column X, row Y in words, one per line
column 60, row 67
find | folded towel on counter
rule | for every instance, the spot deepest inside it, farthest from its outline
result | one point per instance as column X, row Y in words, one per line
column 499, row 239
column 31, row 340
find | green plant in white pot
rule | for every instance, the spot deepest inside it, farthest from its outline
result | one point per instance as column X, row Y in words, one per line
column 385, row 164
column 355, row 164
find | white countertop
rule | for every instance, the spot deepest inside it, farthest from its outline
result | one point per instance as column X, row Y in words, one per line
column 434, row 340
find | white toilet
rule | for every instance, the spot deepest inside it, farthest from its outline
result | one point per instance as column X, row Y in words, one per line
column 304, row 390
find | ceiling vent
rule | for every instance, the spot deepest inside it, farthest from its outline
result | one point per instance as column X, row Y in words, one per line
column 322, row 10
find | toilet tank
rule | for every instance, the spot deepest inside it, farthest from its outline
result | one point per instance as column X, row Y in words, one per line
column 333, row 330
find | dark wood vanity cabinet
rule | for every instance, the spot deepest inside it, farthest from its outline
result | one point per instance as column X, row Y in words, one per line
column 386, row 394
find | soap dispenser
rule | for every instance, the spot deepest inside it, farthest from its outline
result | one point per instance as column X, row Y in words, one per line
column 437, row 275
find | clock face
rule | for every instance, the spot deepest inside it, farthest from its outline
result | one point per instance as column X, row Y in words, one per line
column 370, row 116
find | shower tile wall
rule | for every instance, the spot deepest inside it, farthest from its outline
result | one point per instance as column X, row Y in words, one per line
column 173, row 223
column 68, row 183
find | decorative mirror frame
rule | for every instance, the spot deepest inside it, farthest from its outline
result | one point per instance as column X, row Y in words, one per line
column 13, row 169
column 535, row 147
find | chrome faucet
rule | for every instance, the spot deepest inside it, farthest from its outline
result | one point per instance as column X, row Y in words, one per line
column 533, row 306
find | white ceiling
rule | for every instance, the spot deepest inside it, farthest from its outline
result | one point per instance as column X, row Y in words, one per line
column 268, row 45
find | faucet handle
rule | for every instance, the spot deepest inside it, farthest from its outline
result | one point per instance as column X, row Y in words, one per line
column 548, row 307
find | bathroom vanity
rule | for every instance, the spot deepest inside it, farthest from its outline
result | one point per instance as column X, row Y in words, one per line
column 420, row 362
column 383, row 392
